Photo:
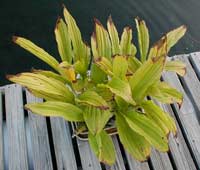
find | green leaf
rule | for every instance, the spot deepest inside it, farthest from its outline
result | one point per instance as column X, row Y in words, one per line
column 67, row 71
column 80, row 49
column 174, row 36
column 164, row 93
column 148, row 129
column 63, row 41
column 120, row 88
column 120, row 67
column 159, row 49
column 102, row 40
column 94, row 46
column 37, row 51
column 54, row 89
column 176, row 66
column 133, row 64
column 114, row 37
column 143, row 38
column 104, row 64
column 125, row 43
column 134, row 143
column 96, row 118
column 54, row 108
column 92, row 98
column 103, row 147
column 145, row 76
column 97, row 74
column 161, row 118
column 50, row 74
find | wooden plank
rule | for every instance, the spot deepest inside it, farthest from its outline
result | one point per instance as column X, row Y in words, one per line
column 119, row 164
column 88, row 159
column 136, row 165
column 41, row 155
column 195, row 60
column 1, row 133
column 160, row 160
column 178, row 147
column 186, row 115
column 63, row 144
column 191, row 82
column 16, row 128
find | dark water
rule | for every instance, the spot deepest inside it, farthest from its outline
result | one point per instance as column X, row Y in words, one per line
column 35, row 19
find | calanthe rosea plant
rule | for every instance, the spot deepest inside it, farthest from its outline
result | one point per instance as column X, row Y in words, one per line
column 110, row 83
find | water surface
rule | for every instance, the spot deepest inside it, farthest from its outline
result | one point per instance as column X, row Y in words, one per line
column 35, row 19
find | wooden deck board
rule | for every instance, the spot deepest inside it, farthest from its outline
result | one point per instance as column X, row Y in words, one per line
column 187, row 117
column 41, row 155
column 30, row 149
column 17, row 146
column 63, row 144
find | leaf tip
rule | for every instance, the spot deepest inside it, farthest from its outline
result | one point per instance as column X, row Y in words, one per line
column 14, row 38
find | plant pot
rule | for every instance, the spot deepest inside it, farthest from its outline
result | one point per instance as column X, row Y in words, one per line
column 110, row 128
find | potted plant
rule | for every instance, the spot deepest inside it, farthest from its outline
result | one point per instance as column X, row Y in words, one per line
column 109, row 90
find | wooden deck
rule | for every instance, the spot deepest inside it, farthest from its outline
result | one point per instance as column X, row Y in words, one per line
column 29, row 141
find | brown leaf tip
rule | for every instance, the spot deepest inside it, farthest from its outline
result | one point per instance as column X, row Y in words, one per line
column 57, row 22
column 9, row 76
column 97, row 22
column 14, row 38
column 110, row 20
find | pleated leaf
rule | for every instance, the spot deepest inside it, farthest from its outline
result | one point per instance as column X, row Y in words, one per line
column 96, row 118
column 148, row 129
column 161, row 118
column 92, row 98
column 120, row 67
column 37, row 51
column 102, row 40
column 120, row 88
column 105, row 65
column 177, row 66
column 41, row 84
column 125, row 43
column 54, row 108
column 164, row 93
column 103, row 147
column 135, row 144
column 114, row 37
column 145, row 76
column 143, row 38
column 63, row 41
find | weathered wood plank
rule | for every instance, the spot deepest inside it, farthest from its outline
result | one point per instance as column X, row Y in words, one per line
column 191, row 83
column 41, row 155
column 1, row 133
column 17, row 146
column 136, row 165
column 186, row 115
column 160, row 160
column 119, row 164
column 88, row 159
column 63, row 144
column 178, row 147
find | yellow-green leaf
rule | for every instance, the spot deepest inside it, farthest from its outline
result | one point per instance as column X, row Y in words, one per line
column 120, row 66
column 133, row 64
column 164, row 93
column 161, row 118
column 148, row 129
column 54, row 108
column 63, row 41
column 96, row 118
column 97, row 74
column 114, row 37
column 177, row 66
column 174, row 36
column 145, row 76
column 104, row 64
column 125, row 43
column 102, row 40
column 120, row 88
column 134, row 143
column 94, row 46
column 103, row 147
column 44, row 85
column 37, row 51
column 143, row 38
column 92, row 98
column 67, row 71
